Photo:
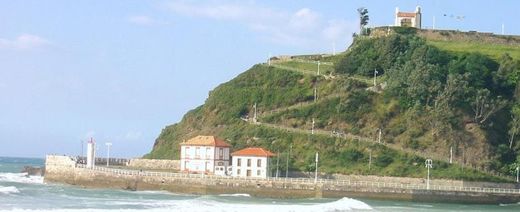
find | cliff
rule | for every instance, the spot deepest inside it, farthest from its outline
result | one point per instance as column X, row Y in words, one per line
column 423, row 105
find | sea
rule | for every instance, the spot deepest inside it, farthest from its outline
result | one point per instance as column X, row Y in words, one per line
column 19, row 192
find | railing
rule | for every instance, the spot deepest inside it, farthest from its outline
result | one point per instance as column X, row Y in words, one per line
column 304, row 181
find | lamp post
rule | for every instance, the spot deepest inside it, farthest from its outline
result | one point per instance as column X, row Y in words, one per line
column 312, row 127
column 287, row 165
column 277, row 163
column 108, row 152
column 316, row 172
column 318, row 68
column 428, row 164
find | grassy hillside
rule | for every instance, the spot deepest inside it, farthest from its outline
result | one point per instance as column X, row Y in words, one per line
column 422, row 104
column 494, row 51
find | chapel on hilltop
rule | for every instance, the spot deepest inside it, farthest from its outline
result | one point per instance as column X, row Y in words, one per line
column 408, row 19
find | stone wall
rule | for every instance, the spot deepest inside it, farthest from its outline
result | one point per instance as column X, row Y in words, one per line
column 153, row 164
column 404, row 180
column 453, row 35
column 136, row 180
column 62, row 169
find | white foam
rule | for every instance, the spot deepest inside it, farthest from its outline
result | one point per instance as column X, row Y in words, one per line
column 20, row 178
column 9, row 190
column 209, row 205
column 235, row 195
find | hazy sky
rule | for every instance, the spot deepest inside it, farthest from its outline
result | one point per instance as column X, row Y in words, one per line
column 120, row 71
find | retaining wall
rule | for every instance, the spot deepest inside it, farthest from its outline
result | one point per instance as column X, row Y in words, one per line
column 153, row 164
column 62, row 170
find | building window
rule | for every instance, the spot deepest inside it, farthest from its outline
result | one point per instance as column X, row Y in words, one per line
column 197, row 152
column 220, row 163
column 248, row 162
column 257, row 172
column 221, row 153
column 187, row 152
column 259, row 163
column 238, row 171
column 239, row 162
column 208, row 153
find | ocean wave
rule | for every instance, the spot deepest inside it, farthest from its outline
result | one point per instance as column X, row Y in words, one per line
column 234, row 195
column 198, row 205
column 20, row 178
column 8, row 190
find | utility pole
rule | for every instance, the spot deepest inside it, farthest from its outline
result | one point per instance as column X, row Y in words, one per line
column 375, row 77
column 428, row 164
column 108, row 153
column 316, row 172
column 287, row 165
column 503, row 33
column 312, row 128
column 269, row 60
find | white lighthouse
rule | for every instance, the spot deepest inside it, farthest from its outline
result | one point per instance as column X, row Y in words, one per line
column 91, row 154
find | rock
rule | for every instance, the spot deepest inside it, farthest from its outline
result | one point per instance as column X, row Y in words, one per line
column 33, row 171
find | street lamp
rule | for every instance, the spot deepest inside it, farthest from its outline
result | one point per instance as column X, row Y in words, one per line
column 318, row 68
column 316, row 172
column 428, row 164
column 287, row 166
column 108, row 152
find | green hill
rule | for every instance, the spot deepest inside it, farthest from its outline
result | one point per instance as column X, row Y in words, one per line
column 429, row 99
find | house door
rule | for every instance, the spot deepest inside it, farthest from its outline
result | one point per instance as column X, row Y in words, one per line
column 248, row 173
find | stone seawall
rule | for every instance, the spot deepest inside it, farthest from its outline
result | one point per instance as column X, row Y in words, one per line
column 62, row 170
column 153, row 164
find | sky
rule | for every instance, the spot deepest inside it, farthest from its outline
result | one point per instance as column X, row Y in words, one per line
column 121, row 70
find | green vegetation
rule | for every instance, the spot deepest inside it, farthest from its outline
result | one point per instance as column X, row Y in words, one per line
column 432, row 100
column 494, row 51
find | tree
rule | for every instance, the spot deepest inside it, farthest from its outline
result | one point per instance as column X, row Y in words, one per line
column 508, row 73
column 514, row 125
column 484, row 105
column 363, row 19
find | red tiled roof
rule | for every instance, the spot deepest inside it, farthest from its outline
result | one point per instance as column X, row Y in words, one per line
column 253, row 151
column 405, row 14
column 205, row 141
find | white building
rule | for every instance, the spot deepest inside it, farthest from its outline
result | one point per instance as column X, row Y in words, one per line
column 251, row 162
column 205, row 154
column 408, row 19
